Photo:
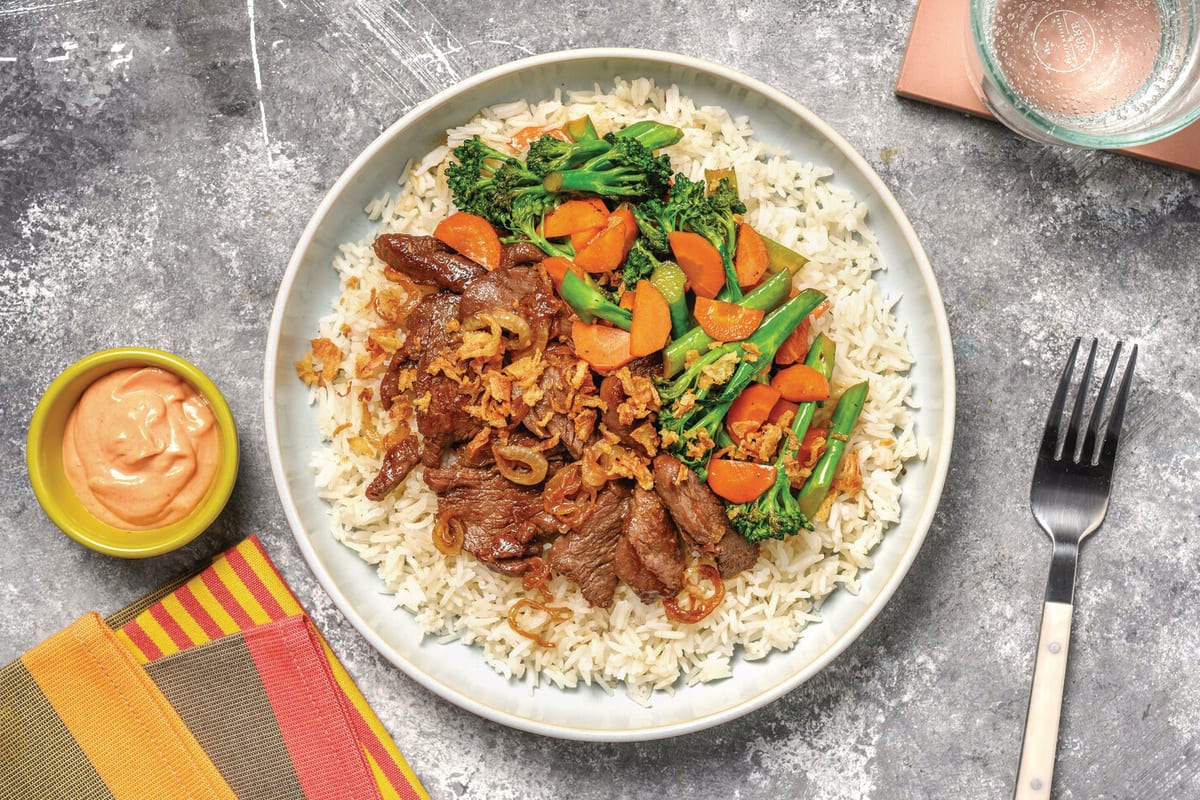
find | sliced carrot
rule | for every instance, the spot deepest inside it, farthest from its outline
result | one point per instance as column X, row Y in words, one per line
column 471, row 235
column 557, row 266
column 626, row 299
column 602, row 346
column 605, row 251
column 780, row 408
column 527, row 136
column 795, row 346
column 750, row 260
column 750, row 409
column 651, row 327
column 801, row 383
column 700, row 261
column 739, row 481
column 573, row 216
column 726, row 322
column 631, row 226
column 580, row 240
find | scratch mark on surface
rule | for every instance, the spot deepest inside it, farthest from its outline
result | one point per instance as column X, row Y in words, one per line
column 502, row 43
column 262, row 109
column 63, row 57
column 398, row 46
column 8, row 58
column 6, row 12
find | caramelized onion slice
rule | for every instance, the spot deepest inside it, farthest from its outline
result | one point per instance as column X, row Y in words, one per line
column 499, row 319
column 511, row 457
column 448, row 533
column 692, row 604
column 514, row 324
column 536, row 576
column 566, row 496
column 553, row 614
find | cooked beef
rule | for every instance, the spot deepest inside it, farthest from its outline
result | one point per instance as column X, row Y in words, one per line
column 612, row 392
column 497, row 514
column 425, row 332
column 586, row 554
column 442, row 421
column 696, row 510
column 650, row 366
column 427, row 261
column 398, row 461
column 735, row 554
column 389, row 384
column 520, row 253
column 648, row 557
column 551, row 414
column 524, row 291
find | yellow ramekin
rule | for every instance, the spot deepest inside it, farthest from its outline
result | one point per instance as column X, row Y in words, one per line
column 44, row 458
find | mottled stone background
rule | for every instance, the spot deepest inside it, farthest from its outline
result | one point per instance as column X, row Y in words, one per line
column 159, row 159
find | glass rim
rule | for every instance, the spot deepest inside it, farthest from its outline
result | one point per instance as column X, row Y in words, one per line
column 1052, row 131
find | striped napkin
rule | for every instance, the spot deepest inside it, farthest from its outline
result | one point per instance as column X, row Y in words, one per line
column 214, row 686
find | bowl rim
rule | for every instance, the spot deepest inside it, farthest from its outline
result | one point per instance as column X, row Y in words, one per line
column 156, row 541
column 940, row 456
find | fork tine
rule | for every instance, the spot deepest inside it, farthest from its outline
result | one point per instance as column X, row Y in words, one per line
column 1050, row 437
column 1091, row 453
column 1109, row 453
column 1069, row 446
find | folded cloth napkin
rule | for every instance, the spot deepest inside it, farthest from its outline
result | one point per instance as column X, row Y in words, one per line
column 213, row 686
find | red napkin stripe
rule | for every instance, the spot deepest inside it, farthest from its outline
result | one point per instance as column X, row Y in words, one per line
column 309, row 715
column 192, row 606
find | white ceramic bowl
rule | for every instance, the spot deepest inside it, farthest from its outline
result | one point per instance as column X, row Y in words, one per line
column 457, row 672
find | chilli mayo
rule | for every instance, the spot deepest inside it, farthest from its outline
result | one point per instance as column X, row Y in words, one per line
column 140, row 448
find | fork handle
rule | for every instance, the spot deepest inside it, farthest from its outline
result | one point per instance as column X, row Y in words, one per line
column 1045, row 704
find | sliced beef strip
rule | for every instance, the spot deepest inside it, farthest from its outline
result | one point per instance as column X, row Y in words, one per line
column 497, row 514
column 647, row 366
column 398, row 461
column 735, row 554
column 524, row 291
column 612, row 392
column 520, row 253
column 586, row 554
column 548, row 416
column 427, row 261
column 701, row 516
column 696, row 510
column 425, row 331
column 648, row 558
column 442, row 422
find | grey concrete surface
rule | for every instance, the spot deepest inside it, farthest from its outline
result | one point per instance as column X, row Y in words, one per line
column 159, row 159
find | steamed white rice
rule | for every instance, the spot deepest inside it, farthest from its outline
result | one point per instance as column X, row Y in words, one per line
column 767, row 607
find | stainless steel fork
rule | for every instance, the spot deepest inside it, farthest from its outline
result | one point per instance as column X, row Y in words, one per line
column 1069, row 498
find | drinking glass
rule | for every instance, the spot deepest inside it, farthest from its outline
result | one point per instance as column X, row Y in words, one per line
column 1088, row 73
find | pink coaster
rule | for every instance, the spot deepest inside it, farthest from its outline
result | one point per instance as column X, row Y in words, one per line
column 934, row 70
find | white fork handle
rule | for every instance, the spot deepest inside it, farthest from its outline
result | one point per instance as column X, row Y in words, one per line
column 1045, row 704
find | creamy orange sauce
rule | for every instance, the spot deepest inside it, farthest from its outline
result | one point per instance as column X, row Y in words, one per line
column 140, row 448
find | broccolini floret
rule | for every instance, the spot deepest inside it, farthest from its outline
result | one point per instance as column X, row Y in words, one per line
column 690, row 207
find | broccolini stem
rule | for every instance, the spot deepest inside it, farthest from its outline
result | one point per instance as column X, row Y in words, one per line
column 586, row 301
column 812, row 494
